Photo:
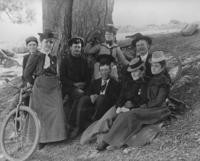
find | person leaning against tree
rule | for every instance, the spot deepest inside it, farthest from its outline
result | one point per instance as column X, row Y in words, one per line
column 75, row 78
column 46, row 98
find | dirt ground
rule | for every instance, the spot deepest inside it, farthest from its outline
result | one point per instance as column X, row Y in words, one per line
column 179, row 141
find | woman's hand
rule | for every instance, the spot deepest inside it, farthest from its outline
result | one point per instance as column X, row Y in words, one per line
column 93, row 97
column 122, row 109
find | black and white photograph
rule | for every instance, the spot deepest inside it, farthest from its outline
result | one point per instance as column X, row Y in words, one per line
column 99, row 80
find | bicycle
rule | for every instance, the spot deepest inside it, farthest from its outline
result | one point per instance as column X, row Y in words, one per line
column 15, row 142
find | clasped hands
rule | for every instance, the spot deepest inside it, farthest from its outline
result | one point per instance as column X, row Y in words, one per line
column 127, row 106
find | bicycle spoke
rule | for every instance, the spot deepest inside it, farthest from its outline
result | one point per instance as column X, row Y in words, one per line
column 19, row 138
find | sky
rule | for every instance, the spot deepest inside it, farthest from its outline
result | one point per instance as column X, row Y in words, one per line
column 144, row 12
column 15, row 34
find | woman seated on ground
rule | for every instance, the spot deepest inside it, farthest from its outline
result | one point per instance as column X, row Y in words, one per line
column 130, row 97
column 153, row 110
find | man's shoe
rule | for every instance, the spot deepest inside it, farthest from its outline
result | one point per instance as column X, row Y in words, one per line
column 102, row 146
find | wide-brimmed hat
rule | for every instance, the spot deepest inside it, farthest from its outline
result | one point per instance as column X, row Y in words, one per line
column 105, row 59
column 31, row 38
column 47, row 34
column 135, row 64
column 158, row 56
column 76, row 40
column 141, row 37
column 134, row 36
column 111, row 28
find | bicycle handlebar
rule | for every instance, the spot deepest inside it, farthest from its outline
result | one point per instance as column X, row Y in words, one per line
column 11, row 84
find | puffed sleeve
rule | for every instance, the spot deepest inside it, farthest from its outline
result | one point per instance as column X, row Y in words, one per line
column 160, row 98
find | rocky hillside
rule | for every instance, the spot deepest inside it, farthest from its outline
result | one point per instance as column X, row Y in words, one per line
column 178, row 141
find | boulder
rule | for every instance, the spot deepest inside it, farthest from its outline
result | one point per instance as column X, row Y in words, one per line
column 189, row 29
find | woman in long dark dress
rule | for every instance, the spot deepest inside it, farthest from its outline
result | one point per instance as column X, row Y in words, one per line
column 46, row 99
column 152, row 111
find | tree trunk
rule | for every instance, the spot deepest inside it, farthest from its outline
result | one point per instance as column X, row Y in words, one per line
column 76, row 17
column 88, row 15
column 57, row 16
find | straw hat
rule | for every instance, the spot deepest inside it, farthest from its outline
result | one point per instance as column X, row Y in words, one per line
column 135, row 64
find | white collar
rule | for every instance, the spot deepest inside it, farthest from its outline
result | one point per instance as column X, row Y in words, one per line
column 44, row 52
column 144, row 57
column 106, row 81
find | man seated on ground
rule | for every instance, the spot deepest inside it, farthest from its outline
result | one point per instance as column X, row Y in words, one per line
column 108, row 47
column 75, row 77
column 102, row 94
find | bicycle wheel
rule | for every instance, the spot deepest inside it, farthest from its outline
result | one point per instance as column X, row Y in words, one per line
column 16, row 143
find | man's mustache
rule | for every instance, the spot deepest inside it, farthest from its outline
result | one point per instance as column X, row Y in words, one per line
column 141, row 49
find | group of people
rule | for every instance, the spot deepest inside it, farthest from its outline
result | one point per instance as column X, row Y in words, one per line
column 94, row 86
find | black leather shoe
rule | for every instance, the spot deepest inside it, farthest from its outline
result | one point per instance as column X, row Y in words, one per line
column 102, row 146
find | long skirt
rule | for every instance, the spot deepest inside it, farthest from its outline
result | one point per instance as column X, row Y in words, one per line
column 130, row 123
column 99, row 127
column 46, row 101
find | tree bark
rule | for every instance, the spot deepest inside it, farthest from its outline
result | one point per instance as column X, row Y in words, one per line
column 76, row 17
column 88, row 15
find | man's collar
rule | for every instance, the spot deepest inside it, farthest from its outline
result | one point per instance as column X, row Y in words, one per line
column 106, row 80
column 144, row 58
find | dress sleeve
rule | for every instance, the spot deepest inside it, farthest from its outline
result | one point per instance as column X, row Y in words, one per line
column 159, row 100
column 30, row 68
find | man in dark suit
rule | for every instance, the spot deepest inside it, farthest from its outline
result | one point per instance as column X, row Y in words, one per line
column 101, row 95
